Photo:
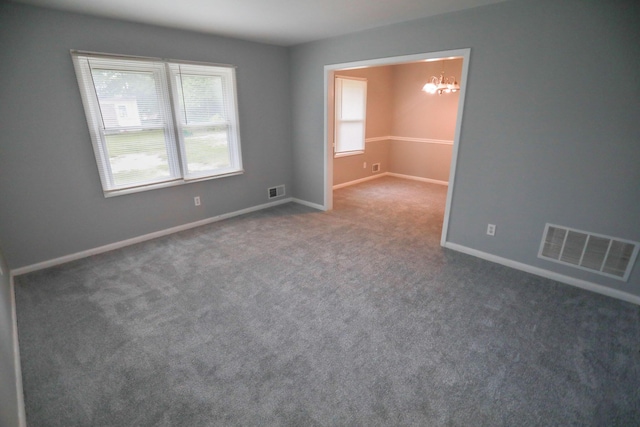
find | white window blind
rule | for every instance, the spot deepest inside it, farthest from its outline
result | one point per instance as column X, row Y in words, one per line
column 206, row 126
column 156, row 123
column 350, row 114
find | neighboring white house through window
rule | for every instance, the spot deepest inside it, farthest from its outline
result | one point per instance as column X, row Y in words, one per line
column 155, row 123
column 350, row 115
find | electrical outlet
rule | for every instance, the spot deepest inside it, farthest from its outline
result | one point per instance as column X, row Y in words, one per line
column 491, row 229
column 364, row 166
column 196, row 200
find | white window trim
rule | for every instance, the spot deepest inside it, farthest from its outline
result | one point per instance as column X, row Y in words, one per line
column 165, row 71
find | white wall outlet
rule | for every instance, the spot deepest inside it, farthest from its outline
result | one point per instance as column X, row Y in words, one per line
column 491, row 229
column 196, row 200
column 364, row 166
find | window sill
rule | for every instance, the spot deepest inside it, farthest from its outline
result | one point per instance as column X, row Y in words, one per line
column 131, row 190
column 349, row 153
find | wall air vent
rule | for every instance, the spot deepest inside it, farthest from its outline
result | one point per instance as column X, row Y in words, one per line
column 375, row 167
column 604, row 255
column 276, row 191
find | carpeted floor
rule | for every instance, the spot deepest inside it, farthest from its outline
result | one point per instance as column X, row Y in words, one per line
column 293, row 317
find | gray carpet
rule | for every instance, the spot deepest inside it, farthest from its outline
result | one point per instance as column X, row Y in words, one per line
column 291, row 316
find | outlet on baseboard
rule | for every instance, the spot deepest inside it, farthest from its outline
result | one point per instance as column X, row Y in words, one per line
column 491, row 229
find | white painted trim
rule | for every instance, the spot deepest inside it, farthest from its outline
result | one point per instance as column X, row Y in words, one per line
column 396, row 175
column 143, row 238
column 583, row 284
column 417, row 178
column 425, row 140
column 409, row 139
column 349, row 153
column 309, row 204
column 358, row 181
column 22, row 416
column 466, row 54
column 328, row 138
column 377, row 138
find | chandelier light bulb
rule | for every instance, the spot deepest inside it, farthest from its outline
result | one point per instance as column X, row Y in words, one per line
column 441, row 84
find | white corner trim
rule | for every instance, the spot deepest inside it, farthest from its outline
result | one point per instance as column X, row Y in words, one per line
column 143, row 238
column 427, row 140
column 418, row 178
column 583, row 284
column 358, row 181
column 309, row 204
column 22, row 416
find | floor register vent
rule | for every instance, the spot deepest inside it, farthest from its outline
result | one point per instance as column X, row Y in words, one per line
column 605, row 255
column 276, row 191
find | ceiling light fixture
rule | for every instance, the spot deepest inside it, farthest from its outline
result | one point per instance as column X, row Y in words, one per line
column 441, row 84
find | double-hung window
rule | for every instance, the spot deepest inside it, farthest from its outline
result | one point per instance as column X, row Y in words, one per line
column 155, row 123
column 350, row 115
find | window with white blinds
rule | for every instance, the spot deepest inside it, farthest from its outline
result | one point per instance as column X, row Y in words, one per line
column 155, row 123
column 350, row 115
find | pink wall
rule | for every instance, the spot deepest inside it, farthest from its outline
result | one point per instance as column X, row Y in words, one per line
column 417, row 114
column 397, row 107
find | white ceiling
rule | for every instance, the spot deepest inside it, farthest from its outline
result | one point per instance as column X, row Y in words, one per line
column 280, row 22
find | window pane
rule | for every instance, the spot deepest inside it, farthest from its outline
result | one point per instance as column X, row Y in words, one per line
column 137, row 157
column 127, row 98
column 207, row 148
column 350, row 136
column 200, row 99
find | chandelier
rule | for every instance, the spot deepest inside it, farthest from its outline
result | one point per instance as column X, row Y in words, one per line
column 441, row 84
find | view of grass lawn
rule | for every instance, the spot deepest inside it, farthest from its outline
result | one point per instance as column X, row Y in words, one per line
column 142, row 155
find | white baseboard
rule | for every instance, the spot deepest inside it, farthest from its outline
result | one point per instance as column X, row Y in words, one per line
column 418, row 178
column 22, row 416
column 139, row 239
column 309, row 204
column 397, row 175
column 583, row 284
column 358, row 181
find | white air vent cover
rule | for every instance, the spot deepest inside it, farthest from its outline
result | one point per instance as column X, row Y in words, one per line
column 605, row 255
column 276, row 191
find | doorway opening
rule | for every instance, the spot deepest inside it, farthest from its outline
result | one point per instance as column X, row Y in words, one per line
column 437, row 59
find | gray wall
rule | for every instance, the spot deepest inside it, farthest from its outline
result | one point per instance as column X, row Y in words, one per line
column 52, row 202
column 8, row 393
column 550, row 130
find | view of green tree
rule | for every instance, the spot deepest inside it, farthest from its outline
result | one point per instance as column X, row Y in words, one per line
column 140, row 86
column 200, row 98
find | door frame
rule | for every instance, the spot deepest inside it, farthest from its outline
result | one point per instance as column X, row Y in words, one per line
column 329, row 72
